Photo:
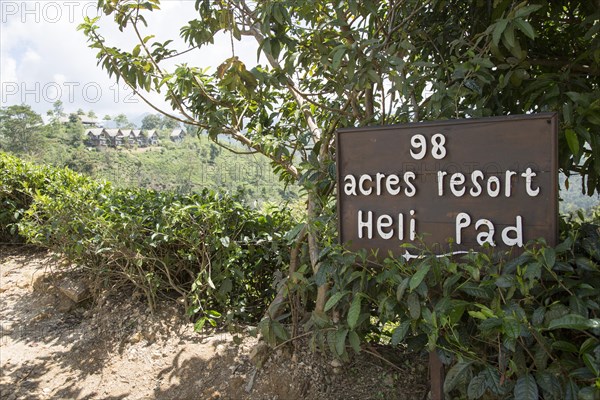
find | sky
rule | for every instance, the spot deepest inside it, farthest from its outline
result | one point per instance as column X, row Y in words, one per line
column 43, row 58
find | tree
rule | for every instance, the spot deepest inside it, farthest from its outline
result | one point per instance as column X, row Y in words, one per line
column 121, row 120
column 334, row 65
column 55, row 128
column 151, row 121
column 74, row 130
column 92, row 114
column 20, row 127
column 56, row 112
column 158, row 121
column 169, row 123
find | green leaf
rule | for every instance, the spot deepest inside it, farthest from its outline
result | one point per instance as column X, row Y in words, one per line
column 525, row 11
column 572, row 141
column 549, row 256
column 549, row 385
column 292, row 234
column 456, row 375
column 338, row 54
column 571, row 321
column 354, row 341
column 509, row 37
column 524, row 27
column 400, row 333
column 499, row 28
column 511, row 328
column 418, row 277
column 333, row 300
column 477, row 386
column 414, row 305
column 591, row 363
column 526, row 388
column 354, row 312
column 401, row 289
column 200, row 324
column 225, row 241
column 340, row 341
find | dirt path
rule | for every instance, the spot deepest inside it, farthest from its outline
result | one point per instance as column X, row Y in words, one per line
column 53, row 348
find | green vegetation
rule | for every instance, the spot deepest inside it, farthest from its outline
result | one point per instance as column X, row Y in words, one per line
column 187, row 167
column 526, row 328
column 522, row 329
column 365, row 63
column 191, row 166
column 519, row 328
column 213, row 251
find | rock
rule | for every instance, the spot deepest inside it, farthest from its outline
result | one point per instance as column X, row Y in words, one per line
column 39, row 280
column 149, row 336
column 40, row 316
column 259, row 353
column 75, row 291
column 335, row 363
column 136, row 337
column 65, row 305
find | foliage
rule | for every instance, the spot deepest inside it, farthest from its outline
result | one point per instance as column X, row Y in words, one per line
column 523, row 328
column 19, row 128
column 187, row 167
column 213, row 251
column 122, row 122
column 156, row 121
column 333, row 65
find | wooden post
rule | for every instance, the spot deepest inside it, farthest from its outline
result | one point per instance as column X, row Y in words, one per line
column 436, row 376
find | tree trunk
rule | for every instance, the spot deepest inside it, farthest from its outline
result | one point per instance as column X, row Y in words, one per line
column 313, row 248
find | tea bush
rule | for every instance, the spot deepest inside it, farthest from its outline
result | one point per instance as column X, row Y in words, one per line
column 524, row 328
column 211, row 250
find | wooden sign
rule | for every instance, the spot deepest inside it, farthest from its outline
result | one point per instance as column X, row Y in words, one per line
column 450, row 186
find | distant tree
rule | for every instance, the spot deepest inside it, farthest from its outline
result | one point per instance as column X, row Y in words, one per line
column 74, row 117
column 80, row 112
column 92, row 114
column 57, row 111
column 122, row 121
column 169, row 123
column 54, row 128
column 156, row 121
column 152, row 121
column 20, row 127
column 74, row 131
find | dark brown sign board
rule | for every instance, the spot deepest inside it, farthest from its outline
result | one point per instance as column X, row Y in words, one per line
column 450, row 186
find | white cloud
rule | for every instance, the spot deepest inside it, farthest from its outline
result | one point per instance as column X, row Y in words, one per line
column 8, row 66
column 31, row 57
column 43, row 58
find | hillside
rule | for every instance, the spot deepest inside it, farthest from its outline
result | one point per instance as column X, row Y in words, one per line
column 190, row 166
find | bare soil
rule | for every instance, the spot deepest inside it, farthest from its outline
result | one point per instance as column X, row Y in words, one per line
column 112, row 347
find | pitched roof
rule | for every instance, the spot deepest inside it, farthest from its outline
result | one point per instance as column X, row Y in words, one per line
column 95, row 131
column 113, row 132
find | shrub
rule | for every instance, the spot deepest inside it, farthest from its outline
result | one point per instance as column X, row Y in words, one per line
column 210, row 249
column 525, row 328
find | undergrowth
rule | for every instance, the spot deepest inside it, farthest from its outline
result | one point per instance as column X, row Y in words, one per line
column 211, row 250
